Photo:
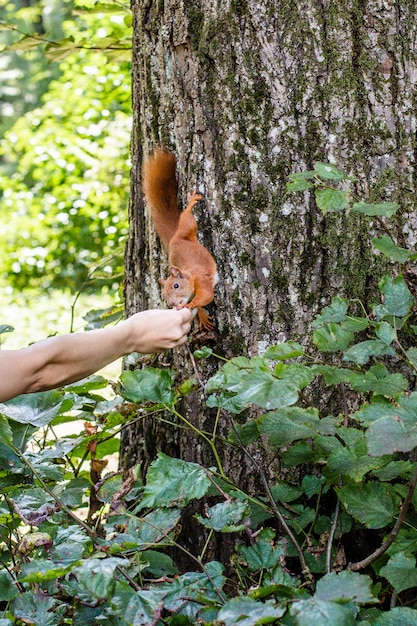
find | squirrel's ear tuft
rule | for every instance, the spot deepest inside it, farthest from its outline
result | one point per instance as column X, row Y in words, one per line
column 176, row 272
column 161, row 281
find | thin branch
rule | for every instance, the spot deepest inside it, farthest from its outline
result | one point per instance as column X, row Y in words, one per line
column 277, row 513
column 331, row 538
column 354, row 567
column 62, row 507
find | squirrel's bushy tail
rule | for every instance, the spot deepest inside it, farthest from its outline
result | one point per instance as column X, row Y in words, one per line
column 160, row 187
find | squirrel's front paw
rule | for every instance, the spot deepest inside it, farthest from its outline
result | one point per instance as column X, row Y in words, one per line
column 194, row 197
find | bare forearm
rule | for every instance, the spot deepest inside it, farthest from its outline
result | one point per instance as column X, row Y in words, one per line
column 64, row 359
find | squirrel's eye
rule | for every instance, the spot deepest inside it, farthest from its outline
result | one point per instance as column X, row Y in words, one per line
column 176, row 286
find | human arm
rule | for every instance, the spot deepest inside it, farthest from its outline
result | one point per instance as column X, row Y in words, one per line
column 63, row 359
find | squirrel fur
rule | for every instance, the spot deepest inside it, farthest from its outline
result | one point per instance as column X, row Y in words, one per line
column 192, row 271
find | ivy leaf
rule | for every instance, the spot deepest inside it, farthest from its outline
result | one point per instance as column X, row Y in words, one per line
column 329, row 200
column 384, row 209
column 34, row 506
column 248, row 612
column 397, row 298
column 298, row 182
column 400, row 616
column 42, row 570
column 388, row 435
column 6, row 433
column 173, row 483
column 345, row 586
column 335, row 312
column 412, row 356
column 150, row 384
column 282, row 351
column 140, row 608
column 323, row 612
column 256, row 386
column 332, row 338
column 226, row 517
column 36, row 608
column 361, row 352
column 386, row 245
column 263, row 554
column 377, row 380
column 289, row 424
column 8, row 589
column 371, row 504
column 37, row 409
column 326, row 171
column 400, row 571
column 96, row 576
column 332, row 375
column 343, row 461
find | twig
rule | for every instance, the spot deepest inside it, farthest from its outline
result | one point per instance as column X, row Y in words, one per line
column 277, row 513
column 354, row 567
column 331, row 538
column 63, row 507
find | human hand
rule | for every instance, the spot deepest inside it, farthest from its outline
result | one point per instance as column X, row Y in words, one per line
column 157, row 330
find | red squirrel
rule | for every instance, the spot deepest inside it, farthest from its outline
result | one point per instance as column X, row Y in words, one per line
column 193, row 271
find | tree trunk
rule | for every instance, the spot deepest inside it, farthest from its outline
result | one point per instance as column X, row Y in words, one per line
column 245, row 93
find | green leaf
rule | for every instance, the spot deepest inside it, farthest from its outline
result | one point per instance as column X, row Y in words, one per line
column 248, row 612
column 298, row 182
column 96, row 576
column 345, row 586
column 153, row 528
column 263, row 554
column 256, row 386
column 42, row 570
column 179, row 594
column 397, row 298
column 400, row 616
column 384, row 209
column 37, row 409
column 372, row 504
column 332, row 375
column 36, row 608
column 326, row 171
column 386, row 245
column 344, row 461
column 412, row 356
column 389, row 435
column 329, row 200
column 377, row 380
column 323, row 612
column 289, row 424
column 150, row 384
column 141, row 608
column 332, row 338
column 282, row 351
column 203, row 353
column 400, row 571
column 226, row 517
column 8, row 588
column 34, row 506
column 361, row 352
column 173, row 483
column 6, row 433
column 385, row 332
column 335, row 312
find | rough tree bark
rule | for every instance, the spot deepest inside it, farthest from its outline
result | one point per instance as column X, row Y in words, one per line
column 246, row 92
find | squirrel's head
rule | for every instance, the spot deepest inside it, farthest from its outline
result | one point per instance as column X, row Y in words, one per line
column 178, row 288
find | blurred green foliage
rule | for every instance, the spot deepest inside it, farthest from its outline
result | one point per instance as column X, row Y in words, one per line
column 64, row 164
